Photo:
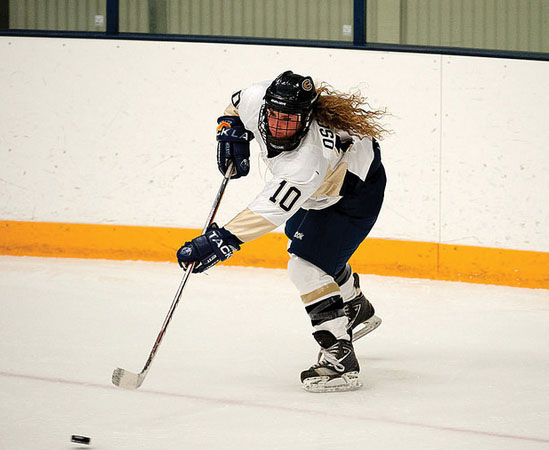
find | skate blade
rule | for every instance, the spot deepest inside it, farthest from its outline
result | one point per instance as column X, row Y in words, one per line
column 367, row 327
column 347, row 382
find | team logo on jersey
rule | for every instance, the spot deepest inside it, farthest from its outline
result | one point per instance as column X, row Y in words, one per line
column 307, row 84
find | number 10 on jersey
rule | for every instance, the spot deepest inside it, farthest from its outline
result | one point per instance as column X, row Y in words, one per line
column 284, row 196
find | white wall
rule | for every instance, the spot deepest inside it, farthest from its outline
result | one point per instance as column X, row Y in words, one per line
column 123, row 132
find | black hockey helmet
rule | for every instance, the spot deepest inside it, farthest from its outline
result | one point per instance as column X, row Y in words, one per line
column 289, row 94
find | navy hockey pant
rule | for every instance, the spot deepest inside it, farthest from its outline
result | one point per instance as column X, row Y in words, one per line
column 328, row 237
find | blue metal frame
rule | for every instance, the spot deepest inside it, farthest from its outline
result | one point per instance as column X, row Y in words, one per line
column 359, row 38
column 359, row 22
column 113, row 15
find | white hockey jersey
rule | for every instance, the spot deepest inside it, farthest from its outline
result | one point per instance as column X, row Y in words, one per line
column 308, row 177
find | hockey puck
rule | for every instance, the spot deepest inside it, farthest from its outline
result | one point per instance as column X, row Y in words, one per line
column 80, row 439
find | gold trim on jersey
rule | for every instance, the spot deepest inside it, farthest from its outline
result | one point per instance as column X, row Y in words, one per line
column 321, row 292
column 248, row 225
column 331, row 185
column 230, row 111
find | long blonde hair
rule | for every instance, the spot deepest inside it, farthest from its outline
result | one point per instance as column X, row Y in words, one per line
column 348, row 112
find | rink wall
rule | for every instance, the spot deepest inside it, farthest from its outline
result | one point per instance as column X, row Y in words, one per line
column 108, row 151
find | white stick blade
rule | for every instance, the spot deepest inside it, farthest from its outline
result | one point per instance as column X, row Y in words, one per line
column 127, row 380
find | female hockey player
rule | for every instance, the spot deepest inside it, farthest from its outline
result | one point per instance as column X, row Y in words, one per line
column 327, row 186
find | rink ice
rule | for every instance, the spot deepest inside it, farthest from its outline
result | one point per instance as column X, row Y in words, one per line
column 453, row 365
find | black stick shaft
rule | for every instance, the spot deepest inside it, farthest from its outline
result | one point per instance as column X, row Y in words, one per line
column 188, row 271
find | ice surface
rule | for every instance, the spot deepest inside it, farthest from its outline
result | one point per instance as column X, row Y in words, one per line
column 453, row 365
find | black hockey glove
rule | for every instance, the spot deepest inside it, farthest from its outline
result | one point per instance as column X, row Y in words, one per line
column 216, row 245
column 233, row 145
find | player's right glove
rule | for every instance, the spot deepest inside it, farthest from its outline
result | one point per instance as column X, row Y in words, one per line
column 215, row 245
column 233, row 145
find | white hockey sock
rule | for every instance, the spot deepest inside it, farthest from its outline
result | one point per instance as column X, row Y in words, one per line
column 308, row 278
column 348, row 290
column 315, row 285
column 337, row 326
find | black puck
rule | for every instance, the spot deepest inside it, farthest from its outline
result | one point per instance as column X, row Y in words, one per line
column 80, row 439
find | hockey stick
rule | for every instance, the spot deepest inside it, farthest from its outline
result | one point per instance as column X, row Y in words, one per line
column 129, row 380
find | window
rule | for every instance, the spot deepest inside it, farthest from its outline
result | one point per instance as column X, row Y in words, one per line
column 282, row 19
column 59, row 15
column 518, row 25
column 509, row 25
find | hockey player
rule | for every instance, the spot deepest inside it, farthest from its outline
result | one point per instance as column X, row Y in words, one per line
column 327, row 187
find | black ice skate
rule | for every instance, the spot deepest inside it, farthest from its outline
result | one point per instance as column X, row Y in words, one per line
column 361, row 314
column 337, row 367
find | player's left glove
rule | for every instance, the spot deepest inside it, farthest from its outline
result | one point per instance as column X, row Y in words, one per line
column 215, row 245
column 233, row 145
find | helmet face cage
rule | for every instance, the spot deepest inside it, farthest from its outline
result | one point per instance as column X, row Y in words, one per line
column 281, row 124
column 286, row 115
